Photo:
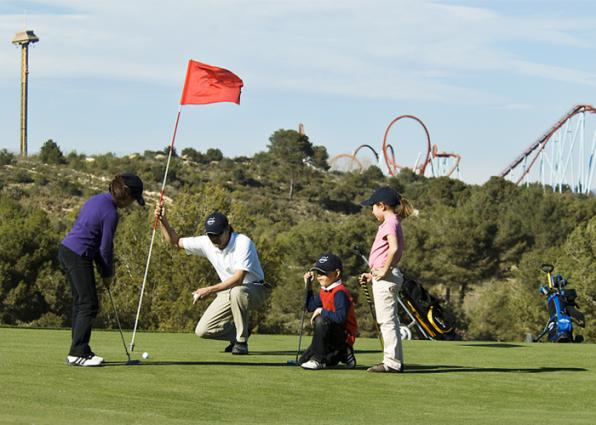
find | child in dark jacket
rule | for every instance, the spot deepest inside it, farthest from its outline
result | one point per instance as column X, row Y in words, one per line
column 333, row 320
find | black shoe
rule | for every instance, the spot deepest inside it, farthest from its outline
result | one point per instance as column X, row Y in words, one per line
column 240, row 348
column 383, row 368
column 350, row 358
column 230, row 347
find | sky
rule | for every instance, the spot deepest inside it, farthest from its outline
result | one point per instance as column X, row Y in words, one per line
column 486, row 77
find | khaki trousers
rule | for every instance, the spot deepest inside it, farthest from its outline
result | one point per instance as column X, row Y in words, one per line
column 385, row 295
column 228, row 315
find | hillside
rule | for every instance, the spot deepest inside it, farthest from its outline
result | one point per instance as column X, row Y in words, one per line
column 478, row 247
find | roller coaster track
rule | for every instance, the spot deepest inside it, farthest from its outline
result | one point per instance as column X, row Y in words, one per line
column 441, row 163
column 389, row 154
column 559, row 163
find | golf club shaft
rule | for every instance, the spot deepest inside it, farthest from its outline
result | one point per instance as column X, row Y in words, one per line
column 306, row 284
column 371, row 304
column 118, row 322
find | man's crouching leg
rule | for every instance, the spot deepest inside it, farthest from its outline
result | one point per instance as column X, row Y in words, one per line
column 244, row 299
column 217, row 321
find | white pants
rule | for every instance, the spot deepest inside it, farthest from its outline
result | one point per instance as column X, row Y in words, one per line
column 385, row 295
column 227, row 316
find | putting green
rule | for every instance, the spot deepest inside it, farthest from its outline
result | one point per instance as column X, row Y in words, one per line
column 187, row 380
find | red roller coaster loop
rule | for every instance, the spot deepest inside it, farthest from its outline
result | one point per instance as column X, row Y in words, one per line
column 389, row 153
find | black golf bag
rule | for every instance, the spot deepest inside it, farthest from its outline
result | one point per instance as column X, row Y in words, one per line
column 426, row 309
column 419, row 310
column 562, row 309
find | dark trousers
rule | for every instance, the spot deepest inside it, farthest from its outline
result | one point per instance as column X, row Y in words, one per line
column 85, row 305
column 328, row 343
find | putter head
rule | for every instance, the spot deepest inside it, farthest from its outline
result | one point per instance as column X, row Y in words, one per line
column 547, row 268
column 130, row 362
column 292, row 363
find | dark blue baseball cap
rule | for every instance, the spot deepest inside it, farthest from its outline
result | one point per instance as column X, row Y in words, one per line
column 328, row 262
column 386, row 195
column 216, row 223
column 135, row 185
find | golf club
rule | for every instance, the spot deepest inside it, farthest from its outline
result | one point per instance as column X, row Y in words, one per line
column 306, row 286
column 369, row 299
column 129, row 361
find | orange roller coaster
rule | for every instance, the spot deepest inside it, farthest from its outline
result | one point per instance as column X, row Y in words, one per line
column 444, row 163
column 389, row 154
column 441, row 163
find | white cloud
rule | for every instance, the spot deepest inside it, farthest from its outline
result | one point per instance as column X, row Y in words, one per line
column 385, row 49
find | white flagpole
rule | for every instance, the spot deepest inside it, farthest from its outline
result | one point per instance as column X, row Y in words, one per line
column 155, row 224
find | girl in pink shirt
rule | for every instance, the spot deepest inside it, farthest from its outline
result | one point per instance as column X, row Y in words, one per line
column 389, row 208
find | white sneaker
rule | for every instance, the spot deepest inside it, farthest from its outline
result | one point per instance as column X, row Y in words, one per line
column 87, row 361
column 313, row 365
column 96, row 357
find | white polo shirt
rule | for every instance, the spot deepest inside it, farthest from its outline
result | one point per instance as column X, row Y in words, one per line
column 239, row 254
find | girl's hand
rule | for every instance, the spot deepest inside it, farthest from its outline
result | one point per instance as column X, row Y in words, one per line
column 378, row 274
column 315, row 313
column 365, row 278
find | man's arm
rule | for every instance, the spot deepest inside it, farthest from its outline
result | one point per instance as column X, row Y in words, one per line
column 236, row 279
column 167, row 231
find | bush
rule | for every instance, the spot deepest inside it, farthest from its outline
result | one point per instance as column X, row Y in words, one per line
column 50, row 153
column 7, row 158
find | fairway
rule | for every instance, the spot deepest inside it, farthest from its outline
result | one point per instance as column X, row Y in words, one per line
column 189, row 381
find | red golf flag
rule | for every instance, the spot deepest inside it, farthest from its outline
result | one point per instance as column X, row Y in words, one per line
column 210, row 84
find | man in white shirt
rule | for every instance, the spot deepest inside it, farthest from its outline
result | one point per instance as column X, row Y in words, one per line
column 241, row 288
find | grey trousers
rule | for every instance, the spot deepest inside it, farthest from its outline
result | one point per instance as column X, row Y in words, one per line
column 228, row 315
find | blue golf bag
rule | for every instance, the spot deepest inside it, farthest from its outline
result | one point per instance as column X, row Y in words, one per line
column 562, row 309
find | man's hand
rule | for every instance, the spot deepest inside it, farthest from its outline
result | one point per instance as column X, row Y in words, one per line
column 200, row 293
column 308, row 277
column 315, row 313
column 160, row 211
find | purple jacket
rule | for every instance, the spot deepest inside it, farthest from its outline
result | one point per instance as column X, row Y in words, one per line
column 92, row 234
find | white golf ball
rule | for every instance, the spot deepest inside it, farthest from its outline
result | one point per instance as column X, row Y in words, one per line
column 145, row 355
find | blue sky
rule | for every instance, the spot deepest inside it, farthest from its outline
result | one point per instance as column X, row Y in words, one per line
column 486, row 77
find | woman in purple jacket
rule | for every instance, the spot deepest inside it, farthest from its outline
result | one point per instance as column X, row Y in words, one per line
column 91, row 241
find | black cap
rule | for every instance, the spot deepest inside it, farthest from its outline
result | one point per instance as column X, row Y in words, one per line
column 216, row 223
column 135, row 185
column 327, row 263
column 386, row 195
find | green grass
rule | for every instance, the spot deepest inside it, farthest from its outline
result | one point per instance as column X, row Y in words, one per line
column 190, row 381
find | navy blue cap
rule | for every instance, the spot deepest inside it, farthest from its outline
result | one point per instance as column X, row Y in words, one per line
column 216, row 223
column 328, row 263
column 386, row 195
column 135, row 185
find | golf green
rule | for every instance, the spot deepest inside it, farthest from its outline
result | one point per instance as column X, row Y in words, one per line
column 187, row 380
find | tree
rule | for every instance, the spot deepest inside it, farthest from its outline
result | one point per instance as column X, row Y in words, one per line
column 213, row 154
column 50, row 153
column 290, row 150
column 320, row 157
column 193, row 155
column 577, row 265
column 6, row 158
